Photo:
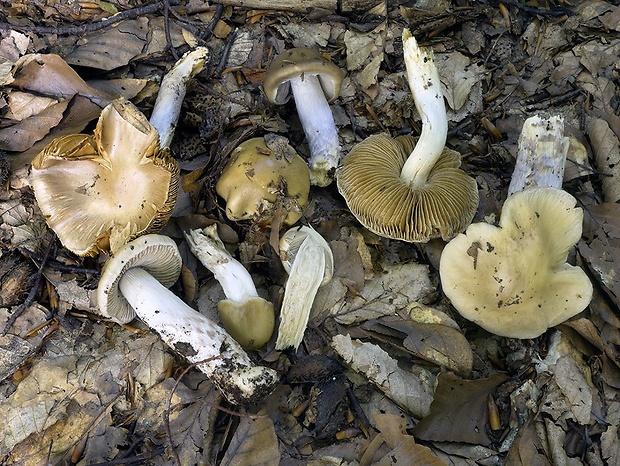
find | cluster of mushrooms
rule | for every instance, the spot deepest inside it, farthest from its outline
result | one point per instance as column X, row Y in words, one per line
column 401, row 188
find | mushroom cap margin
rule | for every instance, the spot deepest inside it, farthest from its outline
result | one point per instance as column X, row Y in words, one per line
column 370, row 182
column 297, row 62
column 157, row 254
column 513, row 279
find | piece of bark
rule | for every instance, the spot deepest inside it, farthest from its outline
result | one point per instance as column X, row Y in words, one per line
column 303, row 6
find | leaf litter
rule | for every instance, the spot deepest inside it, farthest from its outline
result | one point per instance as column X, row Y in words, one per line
column 388, row 371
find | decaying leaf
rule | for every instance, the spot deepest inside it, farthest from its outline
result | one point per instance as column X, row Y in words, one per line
column 442, row 345
column 601, row 248
column 458, row 76
column 414, row 392
column 459, row 412
column 254, row 443
column 398, row 286
column 607, row 156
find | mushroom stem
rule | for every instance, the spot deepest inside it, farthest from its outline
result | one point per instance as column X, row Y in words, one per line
column 197, row 338
column 318, row 122
column 425, row 86
column 541, row 154
column 172, row 92
column 234, row 278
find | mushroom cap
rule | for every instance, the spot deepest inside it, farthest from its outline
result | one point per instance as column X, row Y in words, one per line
column 513, row 280
column 299, row 62
column 260, row 173
column 369, row 180
column 98, row 192
column 251, row 322
column 157, row 254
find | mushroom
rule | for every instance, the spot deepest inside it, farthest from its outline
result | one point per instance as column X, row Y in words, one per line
column 98, row 192
column 513, row 279
column 405, row 190
column 135, row 283
column 309, row 261
column 246, row 316
column 313, row 81
column 263, row 175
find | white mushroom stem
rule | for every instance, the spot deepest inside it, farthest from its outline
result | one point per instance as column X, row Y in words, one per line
column 172, row 92
column 425, row 86
column 312, row 266
column 234, row 278
column 541, row 154
column 318, row 122
column 197, row 338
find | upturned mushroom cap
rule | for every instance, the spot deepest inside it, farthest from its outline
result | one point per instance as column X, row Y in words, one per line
column 371, row 184
column 251, row 322
column 157, row 254
column 261, row 173
column 513, row 280
column 299, row 62
column 98, row 192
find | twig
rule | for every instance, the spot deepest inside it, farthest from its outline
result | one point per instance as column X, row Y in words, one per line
column 230, row 40
column 89, row 27
column 166, row 11
column 555, row 11
column 58, row 265
column 33, row 291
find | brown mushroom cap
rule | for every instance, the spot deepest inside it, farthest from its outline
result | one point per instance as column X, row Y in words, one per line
column 157, row 254
column 261, row 172
column 98, row 192
column 251, row 322
column 370, row 182
column 513, row 280
column 298, row 62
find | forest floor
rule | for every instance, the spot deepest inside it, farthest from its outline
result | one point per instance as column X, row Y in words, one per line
column 383, row 341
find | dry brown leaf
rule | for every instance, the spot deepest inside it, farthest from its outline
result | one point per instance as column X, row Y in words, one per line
column 606, row 150
column 458, row 76
column 22, row 135
column 442, row 345
column 601, row 248
column 411, row 391
column 527, row 449
column 459, row 411
column 254, row 443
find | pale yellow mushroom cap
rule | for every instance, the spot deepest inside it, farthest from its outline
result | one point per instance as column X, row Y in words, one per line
column 513, row 280
column 99, row 192
column 250, row 322
column 370, row 182
column 260, row 173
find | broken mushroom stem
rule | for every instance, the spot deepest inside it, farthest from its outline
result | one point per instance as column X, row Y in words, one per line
column 425, row 86
column 541, row 154
column 135, row 281
column 172, row 92
column 308, row 259
column 246, row 316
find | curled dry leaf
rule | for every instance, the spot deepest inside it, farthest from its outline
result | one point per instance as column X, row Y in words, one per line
column 410, row 391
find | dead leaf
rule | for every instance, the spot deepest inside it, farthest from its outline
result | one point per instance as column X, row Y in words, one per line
column 254, row 443
column 459, row 411
column 458, row 76
column 606, row 150
column 412, row 392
